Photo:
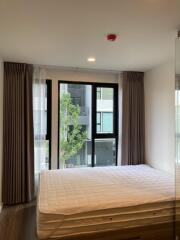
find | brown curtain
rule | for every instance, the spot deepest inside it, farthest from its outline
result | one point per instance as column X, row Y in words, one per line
column 18, row 140
column 133, row 123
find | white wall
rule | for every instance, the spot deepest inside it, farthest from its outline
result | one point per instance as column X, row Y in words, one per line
column 160, row 116
column 56, row 74
column 1, row 127
column 81, row 75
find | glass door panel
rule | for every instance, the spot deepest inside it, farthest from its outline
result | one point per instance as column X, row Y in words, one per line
column 105, row 152
column 75, row 147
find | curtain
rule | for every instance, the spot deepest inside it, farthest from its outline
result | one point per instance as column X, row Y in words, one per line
column 133, row 119
column 40, row 119
column 177, row 112
column 120, row 118
column 18, row 140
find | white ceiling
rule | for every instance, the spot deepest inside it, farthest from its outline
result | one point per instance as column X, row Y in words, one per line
column 67, row 32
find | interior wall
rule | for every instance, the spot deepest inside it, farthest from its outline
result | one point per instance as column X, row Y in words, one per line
column 1, row 127
column 159, row 116
column 81, row 75
column 55, row 75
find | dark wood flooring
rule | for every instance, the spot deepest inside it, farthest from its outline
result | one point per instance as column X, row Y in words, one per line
column 18, row 222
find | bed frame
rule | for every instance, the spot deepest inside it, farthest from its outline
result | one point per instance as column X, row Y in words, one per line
column 177, row 229
column 154, row 232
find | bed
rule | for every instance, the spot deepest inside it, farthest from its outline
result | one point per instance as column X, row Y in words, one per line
column 79, row 202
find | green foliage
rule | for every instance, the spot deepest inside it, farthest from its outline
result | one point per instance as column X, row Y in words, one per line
column 72, row 137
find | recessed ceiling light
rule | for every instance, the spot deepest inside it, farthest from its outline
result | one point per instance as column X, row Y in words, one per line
column 91, row 59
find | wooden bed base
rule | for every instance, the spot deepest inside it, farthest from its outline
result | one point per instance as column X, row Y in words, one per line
column 177, row 230
column 154, row 232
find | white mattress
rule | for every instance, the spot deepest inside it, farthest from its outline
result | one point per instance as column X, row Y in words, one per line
column 78, row 201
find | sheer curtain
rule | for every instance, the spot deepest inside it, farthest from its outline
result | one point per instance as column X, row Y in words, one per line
column 120, row 117
column 40, row 119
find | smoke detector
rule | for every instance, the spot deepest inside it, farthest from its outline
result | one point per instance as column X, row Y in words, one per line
column 111, row 37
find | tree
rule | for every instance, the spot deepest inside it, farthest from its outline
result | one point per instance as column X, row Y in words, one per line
column 72, row 137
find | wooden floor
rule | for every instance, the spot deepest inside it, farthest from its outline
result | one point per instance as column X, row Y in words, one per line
column 18, row 223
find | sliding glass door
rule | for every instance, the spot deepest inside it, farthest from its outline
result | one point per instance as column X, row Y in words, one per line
column 87, row 124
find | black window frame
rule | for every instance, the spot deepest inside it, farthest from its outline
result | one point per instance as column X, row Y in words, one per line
column 115, row 110
column 94, row 134
column 49, row 116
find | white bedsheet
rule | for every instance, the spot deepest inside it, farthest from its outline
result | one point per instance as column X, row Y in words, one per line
column 71, row 191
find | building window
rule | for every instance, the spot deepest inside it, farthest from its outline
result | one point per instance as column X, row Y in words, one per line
column 104, row 122
column 98, row 93
column 87, row 124
column 98, row 122
column 107, row 122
